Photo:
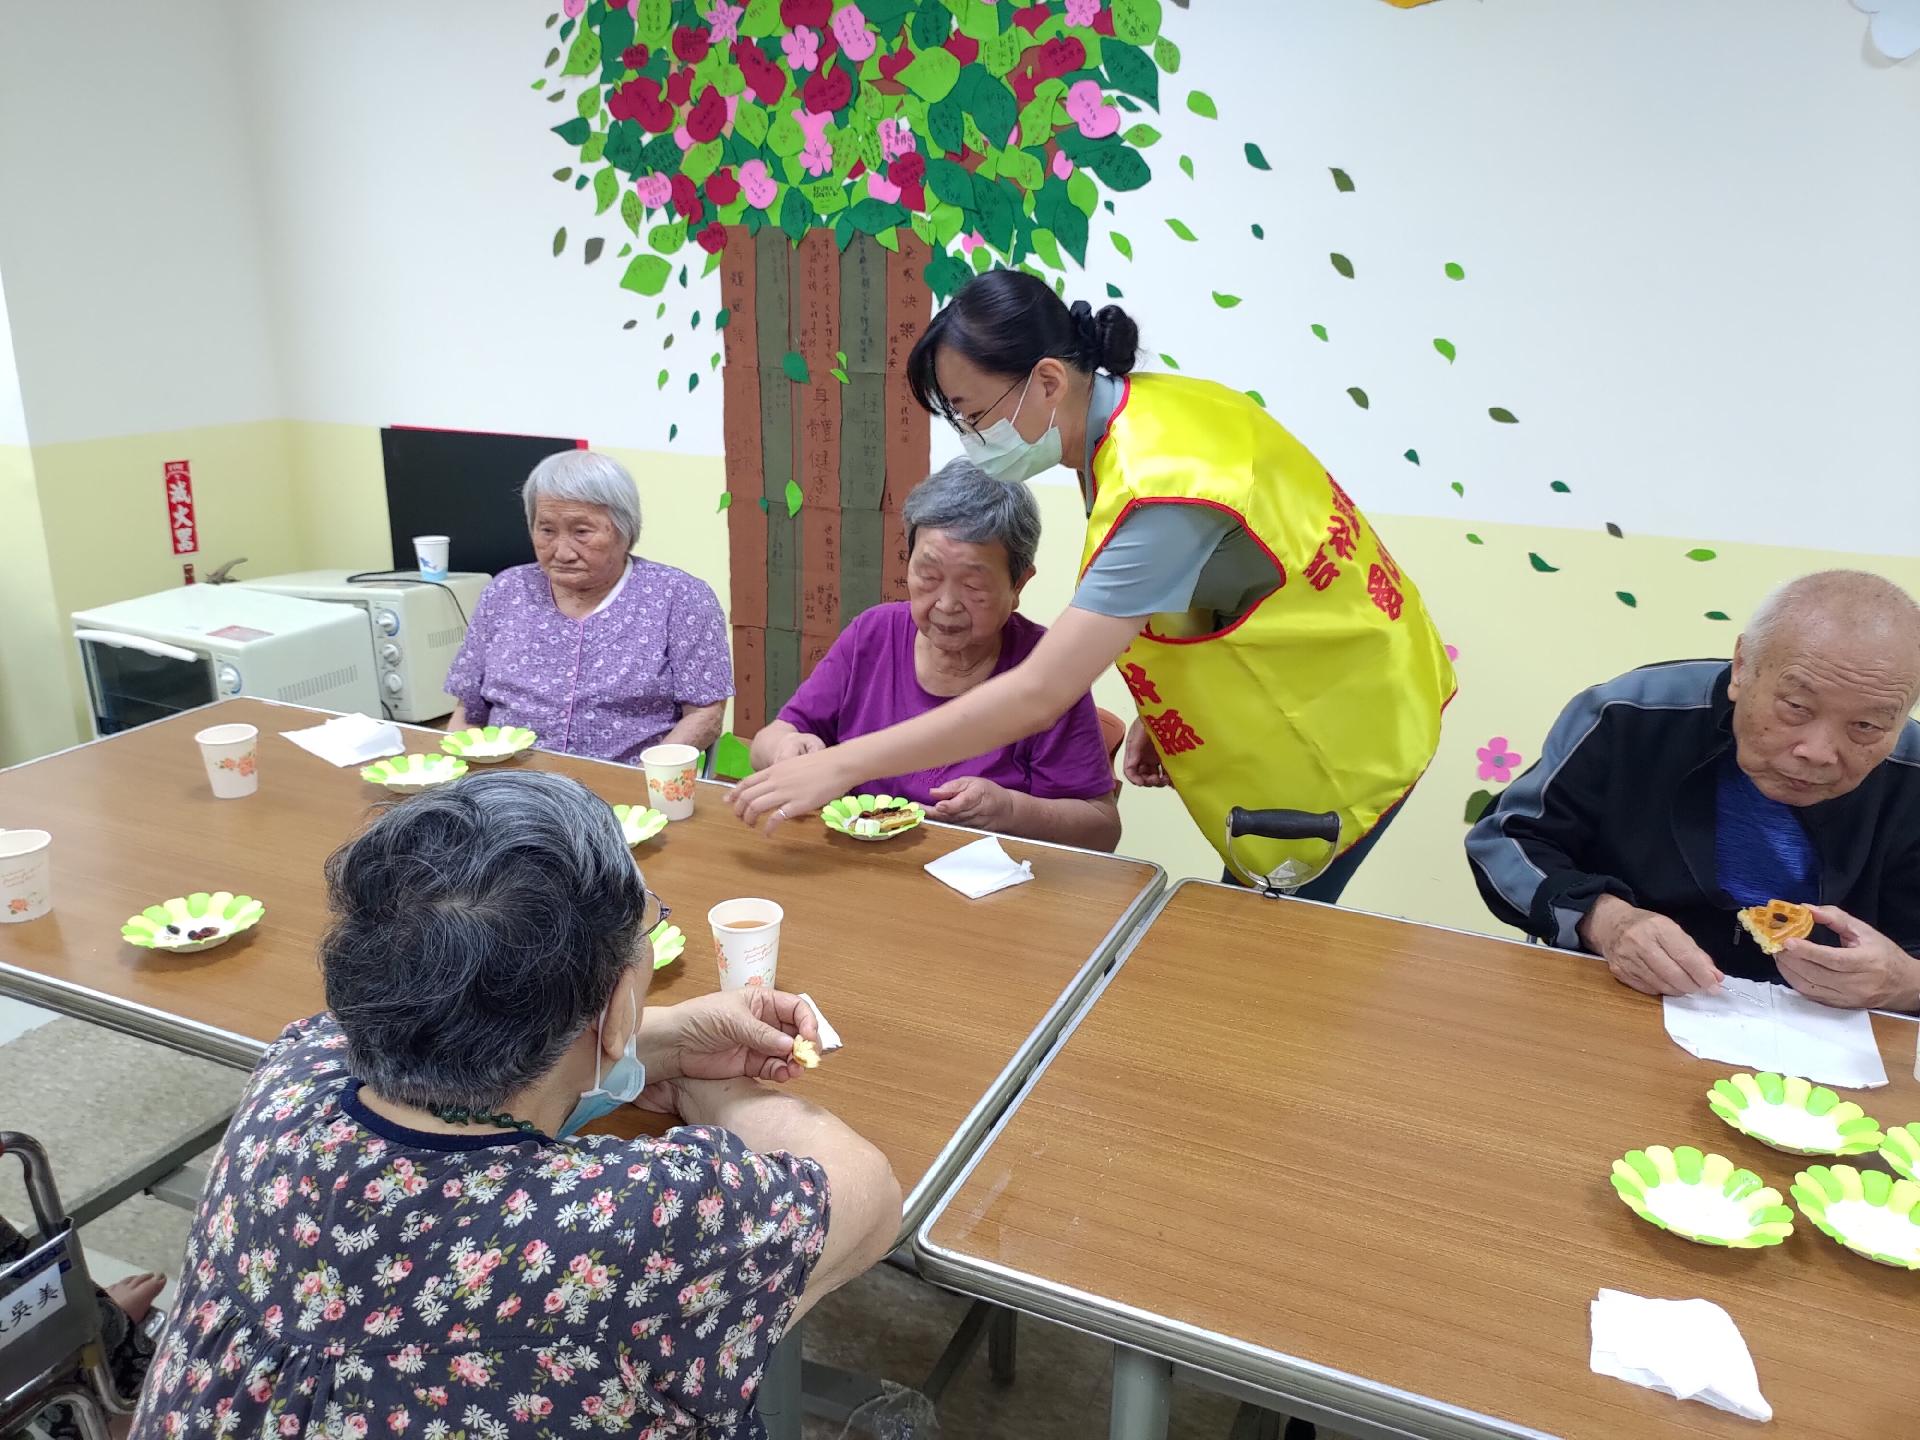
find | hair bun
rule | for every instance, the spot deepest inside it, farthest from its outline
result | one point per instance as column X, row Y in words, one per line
column 1115, row 338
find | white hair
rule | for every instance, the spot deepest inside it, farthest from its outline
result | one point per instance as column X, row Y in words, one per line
column 586, row 477
column 1853, row 597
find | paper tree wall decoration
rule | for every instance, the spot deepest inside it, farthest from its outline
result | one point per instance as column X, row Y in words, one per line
column 841, row 166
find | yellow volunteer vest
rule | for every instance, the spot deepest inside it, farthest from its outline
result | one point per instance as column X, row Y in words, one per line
column 1327, row 694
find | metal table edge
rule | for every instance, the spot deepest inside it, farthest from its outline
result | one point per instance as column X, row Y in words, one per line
column 142, row 1022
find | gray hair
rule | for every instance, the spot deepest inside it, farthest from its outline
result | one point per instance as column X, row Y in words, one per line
column 973, row 507
column 586, row 477
column 477, row 930
column 1854, row 598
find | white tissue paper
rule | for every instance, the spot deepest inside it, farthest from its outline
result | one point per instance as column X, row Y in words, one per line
column 349, row 740
column 1771, row 1027
column 829, row 1037
column 980, row 869
column 1687, row 1348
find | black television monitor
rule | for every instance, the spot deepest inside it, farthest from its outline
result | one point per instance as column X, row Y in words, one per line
column 463, row 484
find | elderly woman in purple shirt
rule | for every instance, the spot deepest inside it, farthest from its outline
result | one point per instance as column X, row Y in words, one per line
column 971, row 541
column 597, row 650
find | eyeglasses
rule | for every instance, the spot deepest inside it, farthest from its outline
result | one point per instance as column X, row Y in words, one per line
column 659, row 919
column 963, row 426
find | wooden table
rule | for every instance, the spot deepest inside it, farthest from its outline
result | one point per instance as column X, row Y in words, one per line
column 1274, row 1148
column 945, row 1003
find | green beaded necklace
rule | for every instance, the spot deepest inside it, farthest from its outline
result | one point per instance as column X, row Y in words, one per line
column 455, row 1116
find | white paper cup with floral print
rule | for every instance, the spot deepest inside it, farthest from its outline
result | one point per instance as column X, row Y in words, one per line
column 746, row 942
column 232, row 756
column 26, row 875
column 670, row 778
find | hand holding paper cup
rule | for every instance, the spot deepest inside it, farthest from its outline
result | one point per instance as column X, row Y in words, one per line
column 430, row 554
column 232, row 757
column 671, row 772
column 746, row 942
column 26, row 875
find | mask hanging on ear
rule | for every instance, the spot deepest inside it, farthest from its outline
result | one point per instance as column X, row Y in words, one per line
column 1004, row 453
column 622, row 1084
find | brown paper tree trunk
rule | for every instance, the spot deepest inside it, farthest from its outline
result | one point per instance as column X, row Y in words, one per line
column 851, row 448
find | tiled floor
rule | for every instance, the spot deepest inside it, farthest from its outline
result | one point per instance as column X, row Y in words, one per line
column 94, row 1099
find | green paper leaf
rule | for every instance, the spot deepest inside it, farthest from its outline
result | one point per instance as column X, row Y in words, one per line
column 565, row 172
column 1186, row 164
column 1169, row 362
column 1120, row 169
column 1700, row 554
column 1046, row 247
column 761, row 20
column 631, row 211
column 1201, row 104
column 1473, row 539
column 1179, row 227
column 593, row 249
column 606, row 189
column 673, row 432
column 1113, row 291
column 661, row 383
column 702, row 160
column 794, row 498
column 1130, row 72
column 1319, row 330
column 1542, row 566
column 1560, row 487
column 1615, row 531
column 796, row 215
column 1342, row 182
column 1256, row 157
column 1358, row 396
column 931, row 26
column 726, row 500
column 1122, row 244
column 1259, row 232
column 584, row 57
column 559, row 240
column 1342, row 264
column 1136, row 22
column 693, row 382
column 1717, row 615
column 750, row 123
column 932, row 74
column 1478, row 803
column 839, row 375
column 795, row 366
column 574, row 132
column 1458, row 488
column 1445, row 347
column 1257, row 398
column 1503, row 415
column 667, row 239
column 732, row 760
column 1082, row 191
column 588, row 103
column 594, row 148
column 1225, row 302
column 1412, row 457
column 1625, row 597
column 1141, row 136
column 1167, row 55
column 646, row 275
column 1455, row 272
column 763, row 504
column 653, row 22
column 722, row 319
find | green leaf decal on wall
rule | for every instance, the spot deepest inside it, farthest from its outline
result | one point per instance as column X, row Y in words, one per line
column 1201, row 104
column 647, row 275
column 1455, row 272
column 1701, row 554
column 1319, row 330
column 1560, row 487
column 1445, row 347
column 1542, row 566
column 794, row 498
column 1342, row 264
column 1256, row 157
column 1342, row 182
column 1179, row 227
column 1718, row 615
column 1225, row 302
column 1625, row 597
column 1413, row 456
column 1358, row 396
column 559, row 240
column 795, row 366
column 1503, row 415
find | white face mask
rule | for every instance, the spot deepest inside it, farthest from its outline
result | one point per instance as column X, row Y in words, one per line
column 1004, row 453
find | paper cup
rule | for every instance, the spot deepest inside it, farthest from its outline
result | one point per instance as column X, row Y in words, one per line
column 746, row 942
column 26, row 875
column 232, row 756
column 670, row 778
column 430, row 553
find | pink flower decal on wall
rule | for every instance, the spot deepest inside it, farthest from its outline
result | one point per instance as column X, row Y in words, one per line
column 802, row 49
column 1496, row 760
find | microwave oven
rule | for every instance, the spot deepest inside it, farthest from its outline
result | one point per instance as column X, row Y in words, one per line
column 157, row 655
column 416, row 627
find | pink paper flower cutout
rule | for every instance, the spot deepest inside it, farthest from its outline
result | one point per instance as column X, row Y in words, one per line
column 1496, row 761
column 1082, row 12
column 850, row 29
column 723, row 23
column 802, row 48
column 1453, row 652
column 896, row 139
column 1062, row 166
column 881, row 188
column 572, row 8
column 654, row 190
column 760, row 187
column 816, row 156
column 972, row 242
column 1095, row 118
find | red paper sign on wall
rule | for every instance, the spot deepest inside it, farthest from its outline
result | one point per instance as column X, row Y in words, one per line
column 181, row 525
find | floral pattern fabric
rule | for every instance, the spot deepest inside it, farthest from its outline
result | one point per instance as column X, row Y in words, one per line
column 346, row 1276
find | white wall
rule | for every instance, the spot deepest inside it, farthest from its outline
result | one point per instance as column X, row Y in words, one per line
column 13, row 414
column 129, row 235
column 1686, row 230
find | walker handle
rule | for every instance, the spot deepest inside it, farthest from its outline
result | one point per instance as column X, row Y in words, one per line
column 1284, row 825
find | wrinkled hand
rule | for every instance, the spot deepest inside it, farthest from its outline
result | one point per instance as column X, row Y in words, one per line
column 973, row 800
column 737, row 1033
column 790, row 789
column 1140, row 762
column 1647, row 951
column 799, row 743
column 1865, row 971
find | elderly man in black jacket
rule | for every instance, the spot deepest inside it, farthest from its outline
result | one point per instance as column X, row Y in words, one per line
column 1669, row 798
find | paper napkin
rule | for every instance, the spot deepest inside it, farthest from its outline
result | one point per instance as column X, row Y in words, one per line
column 829, row 1037
column 1686, row 1348
column 349, row 740
column 980, row 869
column 1771, row 1027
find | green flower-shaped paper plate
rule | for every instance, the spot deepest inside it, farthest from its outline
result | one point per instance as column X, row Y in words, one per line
column 638, row 822
column 1871, row 1214
column 1901, row 1150
column 198, row 921
column 669, row 943
column 853, row 815
column 1794, row 1115
column 410, row 774
column 1702, row 1198
column 488, row 744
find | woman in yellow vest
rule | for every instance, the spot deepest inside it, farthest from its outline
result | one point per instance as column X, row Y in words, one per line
column 1277, row 655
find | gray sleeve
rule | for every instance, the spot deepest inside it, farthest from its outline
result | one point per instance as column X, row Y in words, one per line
column 1151, row 563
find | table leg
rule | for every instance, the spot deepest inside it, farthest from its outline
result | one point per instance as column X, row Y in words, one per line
column 1142, row 1390
column 781, row 1404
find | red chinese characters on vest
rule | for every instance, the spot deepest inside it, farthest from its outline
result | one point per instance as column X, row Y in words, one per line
column 1172, row 733
column 1384, row 593
column 1321, row 571
column 1143, row 688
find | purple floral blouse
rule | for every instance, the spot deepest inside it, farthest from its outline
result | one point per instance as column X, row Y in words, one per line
column 346, row 1276
column 608, row 685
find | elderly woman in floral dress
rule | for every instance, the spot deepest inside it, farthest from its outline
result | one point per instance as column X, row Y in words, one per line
column 403, row 1231
column 599, row 651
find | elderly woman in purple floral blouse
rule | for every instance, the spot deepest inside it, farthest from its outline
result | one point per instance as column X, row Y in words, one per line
column 599, row 651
